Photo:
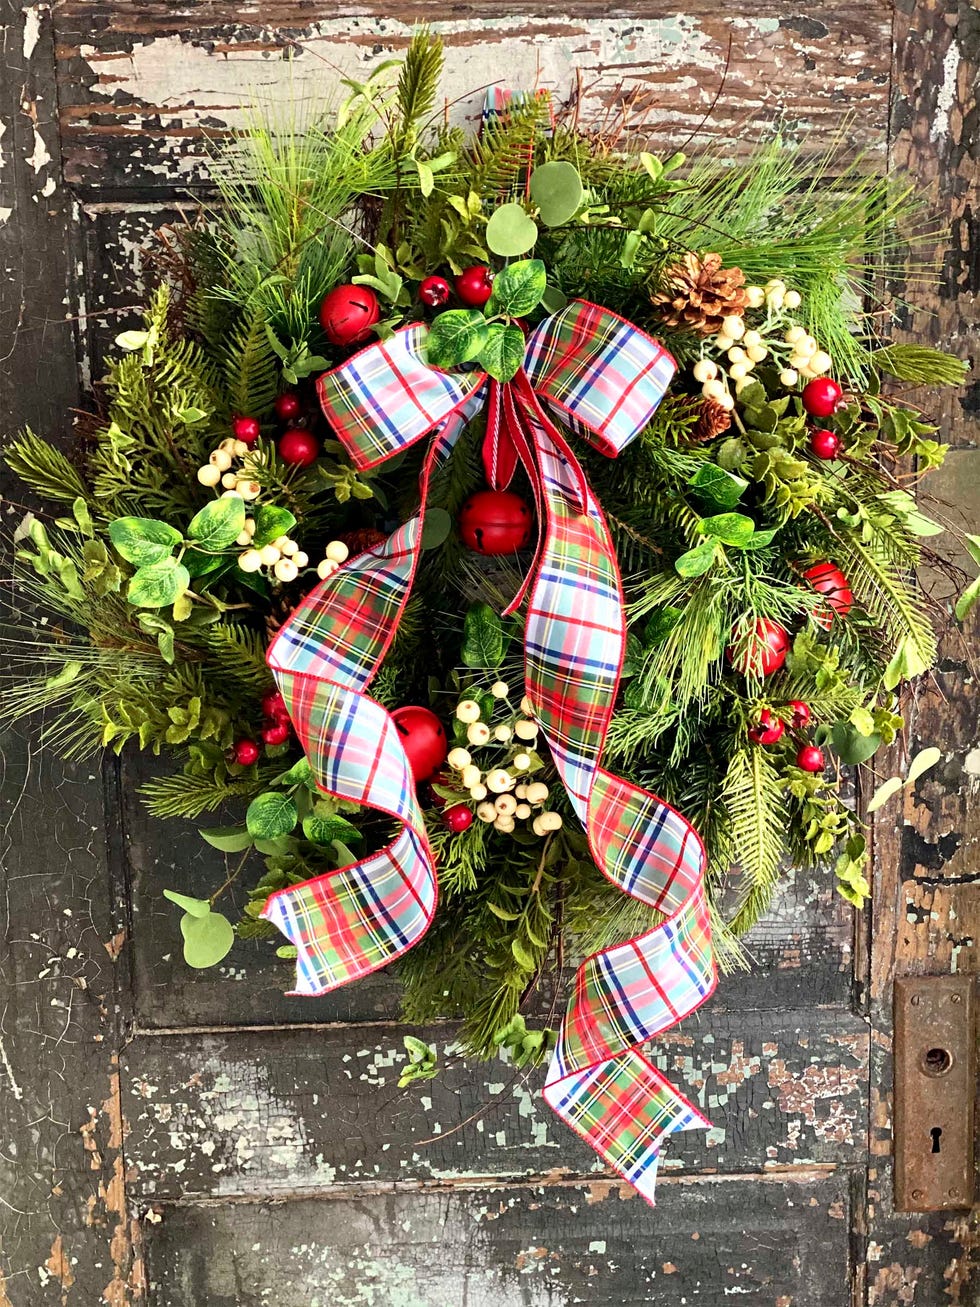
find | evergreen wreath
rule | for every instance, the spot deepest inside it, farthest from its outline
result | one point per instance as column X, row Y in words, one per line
column 768, row 522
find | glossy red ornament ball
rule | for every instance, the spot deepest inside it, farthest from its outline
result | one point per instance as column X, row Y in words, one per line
column 810, row 758
column 247, row 752
column 825, row 444
column 764, row 651
column 275, row 733
column 246, row 429
column 274, row 707
column 288, row 406
column 435, row 292
column 474, row 286
column 348, row 313
column 822, row 397
column 458, row 817
column 769, row 729
column 423, row 739
column 300, row 448
column 495, row 522
column 801, row 713
column 829, row 581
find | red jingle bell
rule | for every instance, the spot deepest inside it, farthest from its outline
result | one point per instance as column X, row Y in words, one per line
column 810, row 758
column 348, row 314
column 801, row 714
column 764, row 652
column 458, row 818
column 769, row 729
column 288, row 406
column 474, row 286
column 822, row 397
column 825, row 444
column 495, row 522
column 423, row 739
column 299, row 448
column 246, row 429
column 830, row 582
column 434, row 292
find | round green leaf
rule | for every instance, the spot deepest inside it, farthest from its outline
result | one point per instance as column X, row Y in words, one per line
column 517, row 289
column 455, row 337
column 143, row 539
column 503, row 351
column 158, row 585
column 229, row 839
column 850, row 745
column 438, row 525
column 510, row 231
column 218, row 524
column 206, row 939
column 271, row 815
column 556, row 188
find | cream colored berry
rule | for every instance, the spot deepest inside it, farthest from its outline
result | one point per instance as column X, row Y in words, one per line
column 503, row 732
column 506, row 805
column 478, row 791
column 523, row 811
column 751, row 338
column 468, row 710
column 505, row 824
column 713, row 390
column 792, row 299
column 250, row 525
column 500, row 689
column 774, row 283
column 755, row 296
column 521, row 791
column 526, row 730
column 774, row 298
column 537, row 827
column 821, row 362
column 726, row 401
column 229, row 480
column 286, row 570
column 326, row 568
column 799, row 361
column 208, row 475
column 249, row 489
column 737, row 372
column 794, row 335
column 733, row 326
column 737, row 354
column 270, row 555
column 337, row 551
column 705, row 370
column 250, row 561
column 459, row 758
column 487, row 812
column 807, row 345
column 287, row 546
column 471, row 775
column 498, row 781
column 243, row 538
column 230, row 494
column 789, row 377
column 551, row 820
column 478, row 733
column 527, row 707
column 220, row 459
column 537, row 792
column 228, row 444
column 723, row 342
column 301, row 560
column 756, row 353
column 522, row 761
column 240, row 449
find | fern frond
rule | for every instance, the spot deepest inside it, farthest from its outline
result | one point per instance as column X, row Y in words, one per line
column 249, row 365
column 758, row 820
column 44, row 468
column 239, row 654
column 190, row 796
column 880, row 588
column 418, row 83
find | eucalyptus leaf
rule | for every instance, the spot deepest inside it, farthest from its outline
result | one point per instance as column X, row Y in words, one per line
column 132, row 340
column 850, row 745
column 158, row 585
column 921, row 763
column 884, row 792
column 456, row 336
column 436, row 528
column 207, row 939
column 194, row 907
column 517, row 289
column 271, row 815
column 510, row 231
column 218, row 524
column 556, row 188
column 553, row 300
column 229, row 839
column 143, row 539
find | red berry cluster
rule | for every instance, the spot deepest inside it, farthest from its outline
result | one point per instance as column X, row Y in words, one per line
column 275, row 730
column 822, row 398
column 771, row 727
column 474, row 286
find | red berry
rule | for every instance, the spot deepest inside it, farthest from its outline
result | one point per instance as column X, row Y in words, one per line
column 246, row 752
column 495, row 522
column 830, row 582
column 288, row 406
column 458, row 817
column 769, row 729
column 801, row 713
column 348, row 314
column 822, row 397
column 435, row 292
column 299, row 448
column 474, row 286
column 825, row 444
column 274, row 707
column 246, row 429
column 810, row 758
column 423, row 740
column 276, row 733
column 763, row 652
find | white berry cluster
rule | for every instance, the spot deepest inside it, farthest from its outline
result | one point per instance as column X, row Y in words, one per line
column 220, row 469
column 503, row 793
column 335, row 553
column 770, row 333
column 283, row 556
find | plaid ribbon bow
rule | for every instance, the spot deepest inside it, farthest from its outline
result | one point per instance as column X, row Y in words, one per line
column 602, row 378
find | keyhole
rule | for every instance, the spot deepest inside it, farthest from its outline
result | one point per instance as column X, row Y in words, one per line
column 936, row 1131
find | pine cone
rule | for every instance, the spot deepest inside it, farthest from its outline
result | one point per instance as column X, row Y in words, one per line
column 365, row 537
column 698, row 293
column 282, row 610
column 712, row 421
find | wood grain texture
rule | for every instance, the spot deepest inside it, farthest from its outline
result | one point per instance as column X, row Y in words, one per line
column 142, row 87
column 778, row 1242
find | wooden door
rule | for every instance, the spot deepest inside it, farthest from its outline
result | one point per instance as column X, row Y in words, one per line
column 198, row 1140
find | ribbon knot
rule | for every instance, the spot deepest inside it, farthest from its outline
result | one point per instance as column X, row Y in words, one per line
column 602, row 378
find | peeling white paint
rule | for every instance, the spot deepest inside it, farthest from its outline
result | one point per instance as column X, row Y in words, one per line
column 947, row 94
column 32, row 27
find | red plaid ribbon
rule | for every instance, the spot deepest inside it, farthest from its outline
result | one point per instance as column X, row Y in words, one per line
column 603, row 378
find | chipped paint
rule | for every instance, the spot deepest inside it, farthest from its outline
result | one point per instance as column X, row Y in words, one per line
column 946, row 95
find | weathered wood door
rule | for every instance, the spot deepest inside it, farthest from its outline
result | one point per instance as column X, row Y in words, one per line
column 198, row 1140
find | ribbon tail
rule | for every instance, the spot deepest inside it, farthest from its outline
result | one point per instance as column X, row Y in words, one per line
column 499, row 450
column 599, row 1082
